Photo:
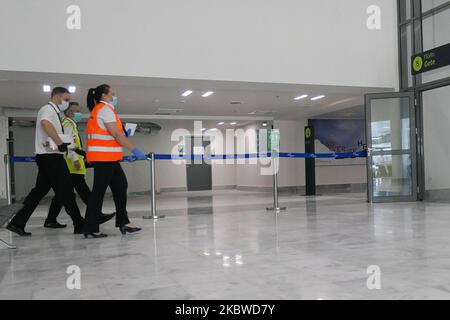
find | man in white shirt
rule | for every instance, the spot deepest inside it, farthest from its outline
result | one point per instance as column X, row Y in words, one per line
column 77, row 168
column 53, row 172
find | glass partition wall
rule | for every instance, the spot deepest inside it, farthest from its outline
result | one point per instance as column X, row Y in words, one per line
column 425, row 25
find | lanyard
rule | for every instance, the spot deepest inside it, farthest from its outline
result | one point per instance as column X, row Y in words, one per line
column 57, row 113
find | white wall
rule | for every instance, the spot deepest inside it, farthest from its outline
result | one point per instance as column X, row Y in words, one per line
column 170, row 175
column 355, row 173
column 242, row 174
column 248, row 171
column 344, row 171
column 436, row 120
column 292, row 139
column 292, row 171
column 279, row 41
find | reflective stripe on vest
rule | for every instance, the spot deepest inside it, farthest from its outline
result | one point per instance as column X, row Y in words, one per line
column 100, row 137
column 105, row 149
column 101, row 145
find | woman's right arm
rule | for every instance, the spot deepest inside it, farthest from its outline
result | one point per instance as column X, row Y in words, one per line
column 113, row 129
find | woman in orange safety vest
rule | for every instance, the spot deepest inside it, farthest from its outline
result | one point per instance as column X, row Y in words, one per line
column 105, row 139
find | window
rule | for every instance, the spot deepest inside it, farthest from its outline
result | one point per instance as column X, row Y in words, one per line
column 423, row 25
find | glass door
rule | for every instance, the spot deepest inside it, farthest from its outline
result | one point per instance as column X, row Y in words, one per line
column 391, row 147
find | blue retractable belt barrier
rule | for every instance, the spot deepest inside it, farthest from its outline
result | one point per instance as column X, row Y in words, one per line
column 342, row 155
column 22, row 159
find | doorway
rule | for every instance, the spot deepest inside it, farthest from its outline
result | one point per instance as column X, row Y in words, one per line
column 391, row 147
column 198, row 172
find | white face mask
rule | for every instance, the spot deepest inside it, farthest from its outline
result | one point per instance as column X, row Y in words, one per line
column 63, row 106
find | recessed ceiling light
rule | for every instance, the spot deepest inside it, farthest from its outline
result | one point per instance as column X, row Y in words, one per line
column 303, row 96
column 203, row 129
column 214, row 129
column 233, row 123
column 318, row 97
column 264, row 124
column 72, row 89
column 46, row 88
column 187, row 93
column 221, row 123
column 207, row 94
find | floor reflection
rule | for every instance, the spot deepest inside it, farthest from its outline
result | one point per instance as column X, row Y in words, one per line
column 200, row 205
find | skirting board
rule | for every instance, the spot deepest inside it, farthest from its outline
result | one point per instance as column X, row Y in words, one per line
column 440, row 195
column 181, row 189
column 335, row 188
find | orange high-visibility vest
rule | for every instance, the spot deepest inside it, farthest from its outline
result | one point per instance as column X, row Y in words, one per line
column 101, row 146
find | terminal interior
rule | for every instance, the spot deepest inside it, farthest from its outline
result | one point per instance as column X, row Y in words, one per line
column 216, row 238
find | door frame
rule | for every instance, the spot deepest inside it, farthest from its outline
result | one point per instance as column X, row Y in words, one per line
column 412, row 148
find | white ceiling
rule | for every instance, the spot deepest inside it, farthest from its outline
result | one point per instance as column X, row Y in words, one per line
column 141, row 97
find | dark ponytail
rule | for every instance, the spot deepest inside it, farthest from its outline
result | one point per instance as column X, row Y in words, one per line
column 95, row 95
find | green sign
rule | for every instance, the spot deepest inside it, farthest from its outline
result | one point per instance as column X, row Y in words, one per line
column 274, row 141
column 431, row 59
column 308, row 133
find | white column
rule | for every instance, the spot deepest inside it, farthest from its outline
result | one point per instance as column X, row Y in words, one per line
column 3, row 150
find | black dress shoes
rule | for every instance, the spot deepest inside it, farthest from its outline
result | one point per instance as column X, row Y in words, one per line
column 95, row 235
column 106, row 217
column 126, row 229
column 54, row 225
column 20, row 231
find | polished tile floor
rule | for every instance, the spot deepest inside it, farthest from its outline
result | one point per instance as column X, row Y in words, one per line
column 225, row 245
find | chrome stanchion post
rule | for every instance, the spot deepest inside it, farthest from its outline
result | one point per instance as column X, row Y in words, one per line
column 8, row 178
column 275, row 207
column 153, row 191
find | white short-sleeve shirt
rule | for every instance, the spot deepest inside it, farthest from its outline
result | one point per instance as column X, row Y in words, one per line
column 51, row 113
column 105, row 115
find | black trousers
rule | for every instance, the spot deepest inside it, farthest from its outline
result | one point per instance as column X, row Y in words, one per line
column 53, row 174
column 107, row 174
column 80, row 185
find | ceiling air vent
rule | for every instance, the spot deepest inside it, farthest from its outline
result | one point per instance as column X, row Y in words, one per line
column 235, row 102
column 148, row 128
column 261, row 112
column 167, row 111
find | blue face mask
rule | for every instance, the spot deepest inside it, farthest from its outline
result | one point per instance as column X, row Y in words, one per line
column 114, row 101
column 77, row 116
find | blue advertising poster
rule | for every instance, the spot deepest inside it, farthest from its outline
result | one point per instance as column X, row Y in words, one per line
column 340, row 135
